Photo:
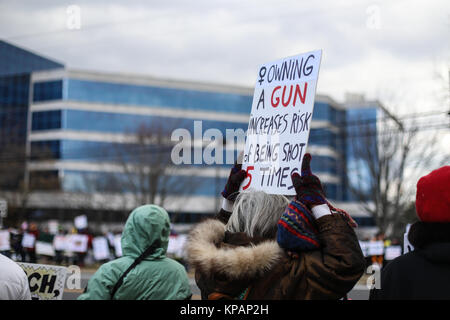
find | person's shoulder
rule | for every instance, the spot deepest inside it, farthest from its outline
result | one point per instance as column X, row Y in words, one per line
column 10, row 269
column 172, row 263
column 401, row 263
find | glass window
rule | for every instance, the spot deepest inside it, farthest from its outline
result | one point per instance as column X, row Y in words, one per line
column 46, row 120
column 45, row 150
column 138, row 95
column 128, row 123
column 49, row 90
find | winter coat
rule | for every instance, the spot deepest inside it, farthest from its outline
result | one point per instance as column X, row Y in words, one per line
column 13, row 281
column 234, row 266
column 156, row 277
column 423, row 273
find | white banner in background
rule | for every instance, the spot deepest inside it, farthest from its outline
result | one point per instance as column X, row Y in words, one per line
column 28, row 240
column 4, row 240
column 118, row 245
column 81, row 222
column 100, row 248
column 78, row 243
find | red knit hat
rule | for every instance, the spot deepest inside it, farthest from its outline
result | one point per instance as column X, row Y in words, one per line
column 433, row 196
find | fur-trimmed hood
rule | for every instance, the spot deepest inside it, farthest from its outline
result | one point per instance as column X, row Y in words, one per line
column 207, row 254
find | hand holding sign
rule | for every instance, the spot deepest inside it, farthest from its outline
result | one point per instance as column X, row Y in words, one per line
column 308, row 187
column 237, row 175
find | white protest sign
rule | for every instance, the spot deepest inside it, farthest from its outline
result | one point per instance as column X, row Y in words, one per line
column 407, row 246
column 3, row 208
column 364, row 247
column 46, row 281
column 4, row 240
column 45, row 248
column 53, row 226
column 392, row 252
column 118, row 245
column 279, row 125
column 100, row 248
column 81, row 222
column 60, row 243
column 176, row 245
column 375, row 248
column 78, row 243
column 28, row 240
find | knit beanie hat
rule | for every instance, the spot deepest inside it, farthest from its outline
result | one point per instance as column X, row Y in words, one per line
column 296, row 228
column 433, row 196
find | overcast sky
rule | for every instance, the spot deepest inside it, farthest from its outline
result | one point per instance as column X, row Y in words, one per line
column 397, row 51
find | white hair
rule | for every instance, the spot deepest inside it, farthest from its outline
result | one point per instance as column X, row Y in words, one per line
column 257, row 213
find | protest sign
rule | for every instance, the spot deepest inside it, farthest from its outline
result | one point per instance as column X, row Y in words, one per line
column 46, row 282
column 176, row 245
column 60, row 243
column 3, row 208
column 279, row 124
column 81, row 222
column 100, row 248
column 4, row 240
column 118, row 245
column 28, row 240
column 364, row 247
column 53, row 226
column 45, row 248
column 407, row 246
column 78, row 243
column 375, row 248
column 392, row 252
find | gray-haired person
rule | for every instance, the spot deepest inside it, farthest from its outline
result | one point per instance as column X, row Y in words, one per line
column 237, row 256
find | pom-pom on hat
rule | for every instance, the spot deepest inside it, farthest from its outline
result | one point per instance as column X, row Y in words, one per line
column 433, row 196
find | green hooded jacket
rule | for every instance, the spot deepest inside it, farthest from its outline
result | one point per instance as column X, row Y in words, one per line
column 156, row 277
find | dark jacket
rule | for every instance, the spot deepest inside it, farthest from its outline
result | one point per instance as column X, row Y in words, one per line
column 423, row 273
column 232, row 265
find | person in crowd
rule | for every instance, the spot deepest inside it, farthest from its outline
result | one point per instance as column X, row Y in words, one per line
column 13, row 281
column 378, row 259
column 59, row 249
column 237, row 256
column 143, row 272
column 425, row 272
column 31, row 251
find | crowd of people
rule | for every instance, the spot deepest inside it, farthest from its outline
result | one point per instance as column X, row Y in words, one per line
column 264, row 246
column 32, row 244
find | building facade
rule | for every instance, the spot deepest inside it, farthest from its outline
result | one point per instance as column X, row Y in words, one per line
column 85, row 131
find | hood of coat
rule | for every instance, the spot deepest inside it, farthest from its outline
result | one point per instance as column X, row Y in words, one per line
column 207, row 253
column 432, row 240
column 145, row 226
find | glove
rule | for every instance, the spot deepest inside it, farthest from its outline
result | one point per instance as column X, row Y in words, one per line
column 308, row 186
column 237, row 175
column 310, row 192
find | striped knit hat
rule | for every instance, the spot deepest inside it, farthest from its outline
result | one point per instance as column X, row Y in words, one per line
column 296, row 228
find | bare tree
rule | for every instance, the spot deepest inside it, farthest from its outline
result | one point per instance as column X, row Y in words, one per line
column 387, row 159
column 146, row 169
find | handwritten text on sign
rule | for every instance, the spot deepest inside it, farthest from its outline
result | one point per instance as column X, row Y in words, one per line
column 279, row 123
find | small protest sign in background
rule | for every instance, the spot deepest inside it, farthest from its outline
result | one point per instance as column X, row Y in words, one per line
column 81, row 222
column 100, row 248
column 28, row 240
column 279, row 124
column 5, row 244
column 78, row 243
column 46, row 282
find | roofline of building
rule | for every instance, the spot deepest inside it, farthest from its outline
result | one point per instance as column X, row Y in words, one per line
column 34, row 52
